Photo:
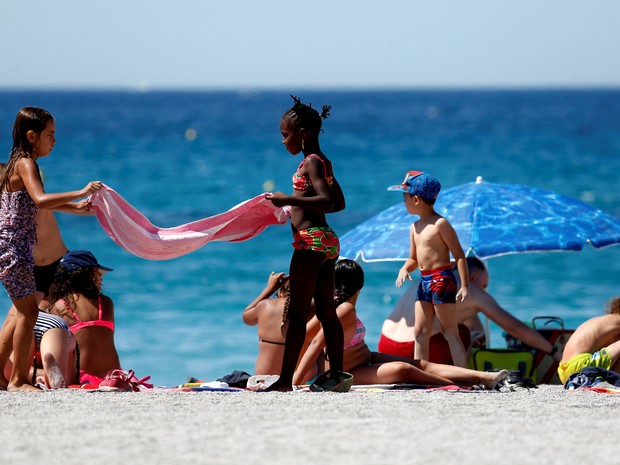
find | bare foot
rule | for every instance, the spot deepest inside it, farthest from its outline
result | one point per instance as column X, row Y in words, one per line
column 23, row 387
column 494, row 378
column 53, row 373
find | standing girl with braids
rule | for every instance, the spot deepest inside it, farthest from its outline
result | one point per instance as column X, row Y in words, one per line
column 22, row 194
column 316, row 247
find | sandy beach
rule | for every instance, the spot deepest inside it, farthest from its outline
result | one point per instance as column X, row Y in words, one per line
column 547, row 425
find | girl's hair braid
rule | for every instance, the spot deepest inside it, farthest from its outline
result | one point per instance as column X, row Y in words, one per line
column 304, row 116
column 287, row 304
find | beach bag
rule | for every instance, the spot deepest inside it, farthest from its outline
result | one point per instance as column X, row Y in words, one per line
column 521, row 361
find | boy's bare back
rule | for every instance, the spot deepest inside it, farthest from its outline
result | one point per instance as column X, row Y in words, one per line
column 593, row 335
column 50, row 246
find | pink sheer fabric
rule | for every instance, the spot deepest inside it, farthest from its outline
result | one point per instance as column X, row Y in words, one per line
column 131, row 230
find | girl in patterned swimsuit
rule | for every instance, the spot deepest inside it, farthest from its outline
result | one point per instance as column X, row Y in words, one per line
column 316, row 247
column 22, row 193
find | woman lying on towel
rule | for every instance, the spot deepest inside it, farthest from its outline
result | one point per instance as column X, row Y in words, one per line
column 375, row 368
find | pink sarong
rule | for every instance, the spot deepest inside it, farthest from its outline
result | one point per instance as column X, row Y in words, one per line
column 131, row 230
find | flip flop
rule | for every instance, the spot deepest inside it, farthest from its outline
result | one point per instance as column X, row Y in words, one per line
column 261, row 382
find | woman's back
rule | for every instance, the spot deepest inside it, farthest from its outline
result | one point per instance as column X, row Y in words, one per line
column 92, row 322
column 270, row 338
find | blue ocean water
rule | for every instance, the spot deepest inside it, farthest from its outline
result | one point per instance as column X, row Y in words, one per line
column 181, row 156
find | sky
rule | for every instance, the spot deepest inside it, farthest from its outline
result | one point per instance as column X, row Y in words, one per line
column 196, row 44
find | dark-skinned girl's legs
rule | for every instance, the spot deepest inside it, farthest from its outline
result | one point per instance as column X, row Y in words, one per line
column 326, row 314
column 303, row 273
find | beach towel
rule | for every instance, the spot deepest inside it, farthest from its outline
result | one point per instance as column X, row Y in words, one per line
column 131, row 230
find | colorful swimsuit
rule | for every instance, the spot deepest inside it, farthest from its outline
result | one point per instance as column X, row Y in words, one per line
column 438, row 286
column 86, row 324
column 358, row 336
column 18, row 235
column 600, row 358
column 320, row 238
column 302, row 183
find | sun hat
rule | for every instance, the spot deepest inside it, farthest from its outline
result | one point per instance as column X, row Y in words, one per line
column 75, row 259
column 418, row 183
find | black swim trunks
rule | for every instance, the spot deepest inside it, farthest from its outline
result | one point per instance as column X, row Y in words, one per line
column 44, row 276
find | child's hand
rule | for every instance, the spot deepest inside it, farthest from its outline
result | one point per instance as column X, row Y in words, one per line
column 84, row 207
column 277, row 198
column 275, row 280
column 91, row 187
column 463, row 294
column 402, row 276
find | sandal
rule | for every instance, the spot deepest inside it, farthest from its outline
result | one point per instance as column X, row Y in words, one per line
column 118, row 381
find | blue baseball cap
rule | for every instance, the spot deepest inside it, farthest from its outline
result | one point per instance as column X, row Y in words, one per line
column 75, row 259
column 418, row 183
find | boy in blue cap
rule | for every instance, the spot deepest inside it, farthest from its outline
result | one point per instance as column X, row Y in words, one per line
column 432, row 239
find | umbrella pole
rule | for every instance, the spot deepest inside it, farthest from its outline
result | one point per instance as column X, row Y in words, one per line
column 487, row 331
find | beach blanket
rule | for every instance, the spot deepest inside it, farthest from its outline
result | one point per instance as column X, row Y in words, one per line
column 131, row 230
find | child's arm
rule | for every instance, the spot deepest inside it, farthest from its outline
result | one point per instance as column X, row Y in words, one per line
column 347, row 315
column 82, row 207
column 449, row 236
column 27, row 171
column 338, row 203
column 410, row 264
column 250, row 315
column 309, row 357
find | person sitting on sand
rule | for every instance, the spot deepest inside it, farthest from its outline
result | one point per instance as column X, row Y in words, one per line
column 54, row 355
column 595, row 343
column 75, row 295
column 397, row 331
column 268, row 315
column 375, row 368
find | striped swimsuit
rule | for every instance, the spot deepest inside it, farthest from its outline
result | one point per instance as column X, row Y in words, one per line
column 45, row 322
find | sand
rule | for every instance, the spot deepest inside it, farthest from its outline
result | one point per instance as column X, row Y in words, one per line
column 547, row 425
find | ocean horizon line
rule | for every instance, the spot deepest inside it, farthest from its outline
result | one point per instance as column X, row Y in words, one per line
column 138, row 89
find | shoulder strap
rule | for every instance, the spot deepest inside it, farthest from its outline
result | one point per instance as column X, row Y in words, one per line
column 325, row 165
column 64, row 302
column 100, row 309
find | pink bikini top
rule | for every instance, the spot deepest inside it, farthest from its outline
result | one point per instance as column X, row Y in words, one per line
column 302, row 183
column 358, row 336
column 86, row 324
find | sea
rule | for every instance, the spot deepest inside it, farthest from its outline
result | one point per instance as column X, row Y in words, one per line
column 179, row 156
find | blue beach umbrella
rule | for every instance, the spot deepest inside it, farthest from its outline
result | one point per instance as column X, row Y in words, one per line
column 491, row 220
